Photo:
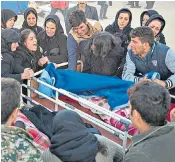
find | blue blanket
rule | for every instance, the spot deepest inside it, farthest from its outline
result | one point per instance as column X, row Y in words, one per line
column 111, row 87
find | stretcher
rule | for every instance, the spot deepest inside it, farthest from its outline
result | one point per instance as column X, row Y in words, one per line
column 121, row 138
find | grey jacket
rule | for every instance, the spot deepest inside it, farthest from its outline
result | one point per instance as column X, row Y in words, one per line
column 156, row 145
column 91, row 13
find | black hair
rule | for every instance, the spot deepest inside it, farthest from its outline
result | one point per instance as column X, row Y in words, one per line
column 10, row 97
column 103, row 43
column 24, row 34
column 151, row 100
column 144, row 33
column 76, row 18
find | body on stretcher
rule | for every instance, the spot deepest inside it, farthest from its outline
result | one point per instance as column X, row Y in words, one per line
column 121, row 138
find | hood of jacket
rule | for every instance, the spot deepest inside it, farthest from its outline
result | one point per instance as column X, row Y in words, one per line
column 72, row 140
column 55, row 18
column 8, row 36
column 25, row 25
column 149, row 13
column 159, row 17
column 7, row 14
column 115, row 24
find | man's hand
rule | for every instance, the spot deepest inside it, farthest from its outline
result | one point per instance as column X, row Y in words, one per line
column 42, row 61
column 145, row 78
column 27, row 74
column 160, row 82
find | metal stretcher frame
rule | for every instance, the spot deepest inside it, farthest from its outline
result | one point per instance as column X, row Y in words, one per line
column 122, row 135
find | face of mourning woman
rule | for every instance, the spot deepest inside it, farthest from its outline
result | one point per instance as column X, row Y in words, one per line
column 144, row 19
column 50, row 29
column 123, row 20
column 10, row 23
column 14, row 46
column 31, row 42
column 31, row 19
column 155, row 25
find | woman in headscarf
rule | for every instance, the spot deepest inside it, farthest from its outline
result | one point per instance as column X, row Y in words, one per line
column 25, row 55
column 122, row 26
column 53, row 41
column 145, row 15
column 8, row 19
column 157, row 23
column 9, row 44
column 30, row 21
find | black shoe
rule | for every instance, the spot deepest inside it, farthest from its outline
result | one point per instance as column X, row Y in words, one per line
column 105, row 17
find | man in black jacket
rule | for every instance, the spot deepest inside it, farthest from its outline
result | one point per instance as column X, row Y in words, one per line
column 149, row 104
column 90, row 13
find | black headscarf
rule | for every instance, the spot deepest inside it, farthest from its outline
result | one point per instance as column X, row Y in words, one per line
column 159, row 17
column 115, row 24
column 25, row 25
column 55, row 18
column 8, row 36
column 7, row 14
column 149, row 13
column 72, row 140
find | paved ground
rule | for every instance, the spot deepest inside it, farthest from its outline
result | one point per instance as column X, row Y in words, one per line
column 166, row 9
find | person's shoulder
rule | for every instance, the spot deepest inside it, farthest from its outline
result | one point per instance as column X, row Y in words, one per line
column 41, row 34
column 109, row 28
column 96, row 24
column 16, row 141
column 70, row 10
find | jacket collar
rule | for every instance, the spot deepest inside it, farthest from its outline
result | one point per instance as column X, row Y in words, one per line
column 153, row 132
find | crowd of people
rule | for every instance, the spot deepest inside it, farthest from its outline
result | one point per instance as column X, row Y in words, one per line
column 139, row 55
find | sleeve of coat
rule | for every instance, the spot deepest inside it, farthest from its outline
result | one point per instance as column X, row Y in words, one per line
column 19, row 59
column 72, row 52
column 63, row 56
column 5, row 71
column 129, row 70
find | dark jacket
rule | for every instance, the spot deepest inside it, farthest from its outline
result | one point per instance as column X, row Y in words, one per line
column 159, row 37
column 25, row 59
column 36, row 29
column 90, row 13
column 7, row 14
column 72, row 140
column 159, row 59
column 8, row 36
column 155, row 145
column 149, row 13
column 114, row 29
column 41, row 118
column 55, row 47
